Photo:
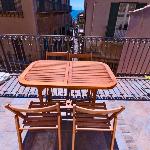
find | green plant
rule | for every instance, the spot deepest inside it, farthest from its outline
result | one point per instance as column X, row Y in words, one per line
column 147, row 77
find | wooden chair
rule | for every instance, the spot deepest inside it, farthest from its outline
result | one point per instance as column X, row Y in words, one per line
column 37, row 119
column 80, row 57
column 55, row 55
column 95, row 118
column 84, row 57
column 66, row 109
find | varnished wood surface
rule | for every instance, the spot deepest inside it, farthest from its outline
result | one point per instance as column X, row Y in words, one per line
column 63, row 55
column 37, row 119
column 94, row 119
column 68, row 74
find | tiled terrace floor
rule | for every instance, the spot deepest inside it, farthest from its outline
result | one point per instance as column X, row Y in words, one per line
column 133, row 132
column 126, row 89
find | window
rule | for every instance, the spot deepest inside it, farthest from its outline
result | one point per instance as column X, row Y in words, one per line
column 40, row 5
column 123, row 14
column 119, row 17
column 44, row 5
column 8, row 5
column 11, row 8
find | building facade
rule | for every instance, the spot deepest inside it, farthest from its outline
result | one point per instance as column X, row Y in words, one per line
column 109, row 18
column 33, row 17
column 53, row 16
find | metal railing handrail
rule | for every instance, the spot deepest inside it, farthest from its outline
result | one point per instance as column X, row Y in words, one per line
column 101, row 37
column 31, row 47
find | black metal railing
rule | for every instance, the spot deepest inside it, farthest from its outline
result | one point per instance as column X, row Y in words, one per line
column 11, row 9
column 49, row 6
column 11, row 14
column 17, row 51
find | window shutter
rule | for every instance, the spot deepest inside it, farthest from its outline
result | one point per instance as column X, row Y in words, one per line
column 41, row 5
column 1, row 6
column 112, row 19
column 18, row 5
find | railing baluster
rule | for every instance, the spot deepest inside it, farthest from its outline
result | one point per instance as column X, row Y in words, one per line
column 28, row 48
column 12, row 55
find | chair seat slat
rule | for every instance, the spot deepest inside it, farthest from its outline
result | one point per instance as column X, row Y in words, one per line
column 46, row 118
column 39, row 124
column 82, row 115
column 93, row 125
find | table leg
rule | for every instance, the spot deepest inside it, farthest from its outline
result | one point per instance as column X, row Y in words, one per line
column 68, row 94
column 89, row 95
column 94, row 92
column 49, row 94
column 40, row 95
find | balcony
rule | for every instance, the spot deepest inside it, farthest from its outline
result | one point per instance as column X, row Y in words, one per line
column 62, row 8
column 18, row 14
column 11, row 9
column 132, row 90
column 54, row 7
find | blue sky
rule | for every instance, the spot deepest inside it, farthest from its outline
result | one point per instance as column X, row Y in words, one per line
column 77, row 4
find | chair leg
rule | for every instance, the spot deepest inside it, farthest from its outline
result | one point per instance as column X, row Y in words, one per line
column 73, row 140
column 112, row 141
column 113, row 134
column 18, row 133
column 68, row 94
column 59, row 133
column 89, row 95
column 49, row 94
column 93, row 96
column 73, row 135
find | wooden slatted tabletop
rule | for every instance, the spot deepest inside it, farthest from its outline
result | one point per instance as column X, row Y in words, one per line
column 90, row 75
column 68, row 74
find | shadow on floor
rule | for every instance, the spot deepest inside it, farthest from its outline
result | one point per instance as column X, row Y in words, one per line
column 85, row 140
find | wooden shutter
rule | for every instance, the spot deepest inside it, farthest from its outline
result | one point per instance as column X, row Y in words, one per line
column 8, row 5
column 112, row 19
column 18, row 5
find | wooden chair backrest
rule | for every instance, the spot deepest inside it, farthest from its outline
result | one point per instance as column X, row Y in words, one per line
column 57, row 54
column 97, row 112
column 80, row 56
column 20, row 111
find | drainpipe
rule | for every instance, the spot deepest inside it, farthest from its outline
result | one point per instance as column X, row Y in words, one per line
column 92, row 18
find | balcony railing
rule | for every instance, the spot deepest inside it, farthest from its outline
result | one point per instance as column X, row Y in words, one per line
column 62, row 7
column 18, row 14
column 17, row 51
column 48, row 7
column 12, row 10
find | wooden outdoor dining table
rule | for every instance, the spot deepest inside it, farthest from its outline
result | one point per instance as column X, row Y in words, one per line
column 74, row 75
